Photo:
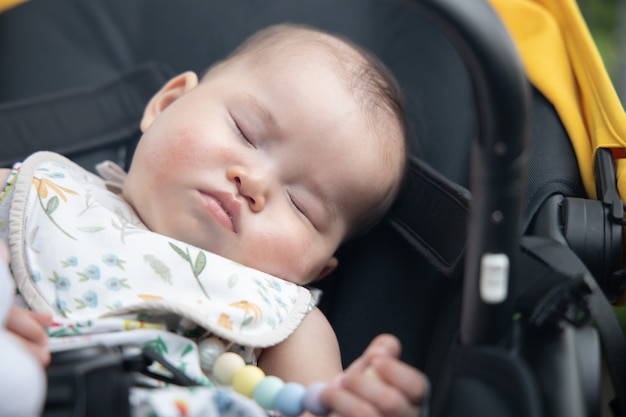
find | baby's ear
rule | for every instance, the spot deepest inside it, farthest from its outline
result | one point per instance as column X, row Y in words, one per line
column 170, row 92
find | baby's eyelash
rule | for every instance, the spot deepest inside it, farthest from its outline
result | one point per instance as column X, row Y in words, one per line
column 243, row 135
column 303, row 210
column 297, row 206
column 241, row 132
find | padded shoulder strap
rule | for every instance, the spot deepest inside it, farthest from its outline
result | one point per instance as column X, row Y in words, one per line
column 80, row 121
column 432, row 215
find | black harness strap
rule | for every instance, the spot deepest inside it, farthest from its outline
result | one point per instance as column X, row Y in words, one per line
column 562, row 259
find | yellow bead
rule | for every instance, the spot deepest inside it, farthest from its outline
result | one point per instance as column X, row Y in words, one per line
column 246, row 379
column 226, row 366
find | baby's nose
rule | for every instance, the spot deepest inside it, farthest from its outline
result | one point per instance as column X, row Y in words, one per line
column 251, row 187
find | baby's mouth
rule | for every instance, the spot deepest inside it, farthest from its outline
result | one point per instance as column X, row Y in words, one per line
column 221, row 212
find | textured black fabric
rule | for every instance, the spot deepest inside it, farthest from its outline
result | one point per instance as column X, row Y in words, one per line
column 552, row 164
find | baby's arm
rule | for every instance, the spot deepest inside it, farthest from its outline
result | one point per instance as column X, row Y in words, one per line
column 310, row 354
column 378, row 384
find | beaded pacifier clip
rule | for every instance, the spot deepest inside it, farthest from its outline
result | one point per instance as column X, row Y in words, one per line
column 271, row 393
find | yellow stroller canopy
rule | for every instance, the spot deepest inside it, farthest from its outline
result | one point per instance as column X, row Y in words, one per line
column 562, row 61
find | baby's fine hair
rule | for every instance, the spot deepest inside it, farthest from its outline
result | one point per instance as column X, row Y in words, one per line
column 366, row 77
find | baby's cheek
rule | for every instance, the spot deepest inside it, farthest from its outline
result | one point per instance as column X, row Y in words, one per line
column 289, row 259
column 299, row 261
column 182, row 149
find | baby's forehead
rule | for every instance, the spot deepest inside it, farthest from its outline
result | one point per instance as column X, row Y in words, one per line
column 295, row 46
column 288, row 41
column 362, row 81
column 356, row 74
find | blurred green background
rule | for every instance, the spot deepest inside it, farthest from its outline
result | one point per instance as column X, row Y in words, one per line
column 607, row 22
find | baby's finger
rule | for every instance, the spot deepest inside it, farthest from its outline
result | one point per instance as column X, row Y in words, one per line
column 22, row 323
column 44, row 319
column 344, row 403
column 384, row 344
column 386, row 399
column 408, row 380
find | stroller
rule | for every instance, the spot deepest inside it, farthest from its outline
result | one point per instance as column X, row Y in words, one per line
column 75, row 75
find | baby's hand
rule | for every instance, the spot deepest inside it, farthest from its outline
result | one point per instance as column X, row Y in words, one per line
column 378, row 384
column 29, row 326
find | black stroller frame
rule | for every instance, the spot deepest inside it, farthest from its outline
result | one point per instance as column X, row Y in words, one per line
column 553, row 354
column 524, row 345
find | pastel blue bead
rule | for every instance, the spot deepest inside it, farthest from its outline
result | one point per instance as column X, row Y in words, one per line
column 289, row 400
column 266, row 391
column 311, row 400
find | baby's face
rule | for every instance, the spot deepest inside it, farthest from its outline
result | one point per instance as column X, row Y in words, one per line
column 267, row 165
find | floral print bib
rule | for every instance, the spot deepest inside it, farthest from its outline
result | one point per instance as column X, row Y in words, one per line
column 79, row 251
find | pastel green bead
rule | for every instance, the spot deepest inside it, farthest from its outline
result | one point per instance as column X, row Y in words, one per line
column 226, row 366
column 246, row 379
column 266, row 391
